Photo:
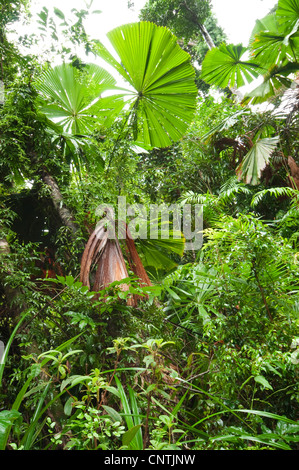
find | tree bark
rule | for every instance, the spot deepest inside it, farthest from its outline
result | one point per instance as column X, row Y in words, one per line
column 57, row 199
column 206, row 36
column 294, row 179
column 203, row 30
column 14, row 297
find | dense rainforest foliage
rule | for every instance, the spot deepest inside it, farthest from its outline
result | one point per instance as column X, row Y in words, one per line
column 137, row 343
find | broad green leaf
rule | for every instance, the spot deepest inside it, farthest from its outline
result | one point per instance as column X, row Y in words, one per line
column 129, row 435
column 268, row 23
column 256, row 160
column 68, row 406
column 276, row 79
column 223, row 66
column 59, row 13
column 288, row 12
column 261, row 380
column 73, row 380
column 153, row 256
column 162, row 77
column 7, row 417
column 73, row 100
column 113, row 413
column 271, row 85
column 276, row 46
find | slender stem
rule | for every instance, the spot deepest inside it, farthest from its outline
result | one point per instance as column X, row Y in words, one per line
column 145, row 437
column 110, row 381
column 262, row 292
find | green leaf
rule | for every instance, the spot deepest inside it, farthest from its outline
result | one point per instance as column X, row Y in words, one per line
column 68, row 406
column 276, row 192
column 274, row 45
column 73, row 100
column 29, row 437
column 261, row 380
column 59, row 13
column 129, row 435
column 131, row 416
column 7, row 347
column 7, row 417
column 164, row 97
column 272, row 42
column 256, row 160
column 113, row 413
column 288, row 12
column 274, row 80
column 223, row 66
column 73, row 380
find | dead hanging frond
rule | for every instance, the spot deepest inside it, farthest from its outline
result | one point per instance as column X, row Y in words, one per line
column 134, row 259
column 136, row 265
column 94, row 247
column 103, row 255
column 294, row 177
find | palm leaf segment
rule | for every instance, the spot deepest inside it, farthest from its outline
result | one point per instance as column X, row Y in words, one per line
column 288, row 12
column 164, row 98
column 273, row 41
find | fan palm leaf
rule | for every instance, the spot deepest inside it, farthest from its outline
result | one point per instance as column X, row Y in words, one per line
column 256, row 160
column 274, row 44
column 163, row 95
column 223, row 66
column 288, row 12
column 74, row 101
column 275, row 80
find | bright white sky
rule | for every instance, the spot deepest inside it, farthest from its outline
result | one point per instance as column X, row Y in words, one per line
column 237, row 17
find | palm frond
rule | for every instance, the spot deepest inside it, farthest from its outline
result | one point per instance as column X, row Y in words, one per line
column 276, row 192
column 161, row 74
column 73, row 100
column 231, row 188
column 223, row 66
column 256, row 160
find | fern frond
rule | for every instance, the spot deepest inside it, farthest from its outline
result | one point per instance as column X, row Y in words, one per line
column 276, row 192
column 230, row 188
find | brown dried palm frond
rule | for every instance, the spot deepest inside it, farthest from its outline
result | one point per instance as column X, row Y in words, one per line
column 103, row 252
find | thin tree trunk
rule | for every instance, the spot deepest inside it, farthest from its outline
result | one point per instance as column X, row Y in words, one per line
column 205, row 34
column 57, row 199
column 203, row 30
column 14, row 296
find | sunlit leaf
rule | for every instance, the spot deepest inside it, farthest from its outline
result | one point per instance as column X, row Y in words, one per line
column 73, row 100
column 256, row 160
column 223, row 66
column 164, row 93
column 288, row 11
